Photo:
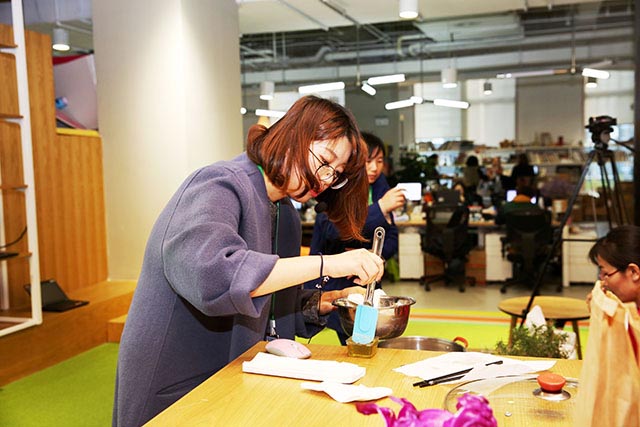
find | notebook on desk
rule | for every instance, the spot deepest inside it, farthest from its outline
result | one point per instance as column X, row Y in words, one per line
column 5, row 255
column 54, row 298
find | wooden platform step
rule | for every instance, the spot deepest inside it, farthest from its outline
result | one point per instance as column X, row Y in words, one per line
column 67, row 334
column 115, row 327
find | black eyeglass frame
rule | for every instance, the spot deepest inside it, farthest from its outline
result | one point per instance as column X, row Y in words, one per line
column 605, row 276
column 329, row 179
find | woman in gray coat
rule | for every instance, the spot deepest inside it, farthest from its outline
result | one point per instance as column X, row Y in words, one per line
column 222, row 269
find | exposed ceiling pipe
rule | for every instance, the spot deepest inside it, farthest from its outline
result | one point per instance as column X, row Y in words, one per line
column 318, row 57
column 267, row 54
column 345, row 56
column 403, row 39
column 480, row 65
column 468, row 46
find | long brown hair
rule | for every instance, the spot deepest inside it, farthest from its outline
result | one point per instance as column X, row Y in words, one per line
column 285, row 147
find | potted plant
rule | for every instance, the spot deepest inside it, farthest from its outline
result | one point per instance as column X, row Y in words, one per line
column 535, row 341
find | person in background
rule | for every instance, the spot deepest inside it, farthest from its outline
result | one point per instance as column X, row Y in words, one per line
column 222, row 269
column 467, row 198
column 617, row 256
column 431, row 171
column 494, row 186
column 523, row 174
column 558, row 186
column 383, row 200
column 522, row 202
column 472, row 175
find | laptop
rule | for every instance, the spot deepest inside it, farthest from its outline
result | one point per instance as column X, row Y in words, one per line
column 5, row 255
column 54, row 298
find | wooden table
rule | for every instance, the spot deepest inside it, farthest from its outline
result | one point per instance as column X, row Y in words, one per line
column 231, row 397
column 554, row 308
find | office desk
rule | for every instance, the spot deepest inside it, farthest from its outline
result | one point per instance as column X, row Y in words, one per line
column 410, row 256
column 231, row 397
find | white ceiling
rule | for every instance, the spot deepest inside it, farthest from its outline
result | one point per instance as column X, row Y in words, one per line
column 268, row 16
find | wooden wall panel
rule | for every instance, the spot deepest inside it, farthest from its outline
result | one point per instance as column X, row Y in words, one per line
column 71, row 220
column 8, row 85
column 68, row 188
column 69, row 185
column 13, row 207
column 6, row 35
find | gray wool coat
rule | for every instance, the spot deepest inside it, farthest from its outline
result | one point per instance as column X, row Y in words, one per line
column 191, row 313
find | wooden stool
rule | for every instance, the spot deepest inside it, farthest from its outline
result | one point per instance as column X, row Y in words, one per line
column 554, row 308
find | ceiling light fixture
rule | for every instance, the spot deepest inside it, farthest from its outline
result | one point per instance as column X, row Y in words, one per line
column 591, row 82
column 451, row 103
column 368, row 89
column 322, row 87
column 408, row 9
column 487, row 88
column 243, row 111
column 403, row 103
column 449, row 78
column 533, row 73
column 592, row 72
column 269, row 113
column 60, row 40
column 267, row 88
column 382, row 80
column 399, row 104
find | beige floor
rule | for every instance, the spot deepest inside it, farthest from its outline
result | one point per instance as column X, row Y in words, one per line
column 480, row 297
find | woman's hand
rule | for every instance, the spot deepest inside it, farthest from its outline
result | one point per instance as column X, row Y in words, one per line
column 392, row 200
column 328, row 297
column 362, row 264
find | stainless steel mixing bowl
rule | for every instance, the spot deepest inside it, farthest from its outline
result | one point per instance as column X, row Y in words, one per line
column 393, row 315
column 422, row 343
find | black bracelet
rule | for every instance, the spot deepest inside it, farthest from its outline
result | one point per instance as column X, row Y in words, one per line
column 323, row 279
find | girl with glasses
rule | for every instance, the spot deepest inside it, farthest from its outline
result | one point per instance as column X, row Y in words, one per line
column 222, row 269
column 383, row 200
column 617, row 256
column 610, row 377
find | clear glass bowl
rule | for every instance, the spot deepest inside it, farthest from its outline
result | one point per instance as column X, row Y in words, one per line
column 518, row 400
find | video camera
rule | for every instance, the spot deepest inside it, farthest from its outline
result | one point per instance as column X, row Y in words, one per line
column 598, row 125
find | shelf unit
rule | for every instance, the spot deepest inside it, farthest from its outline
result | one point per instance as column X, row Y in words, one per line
column 547, row 158
column 17, row 119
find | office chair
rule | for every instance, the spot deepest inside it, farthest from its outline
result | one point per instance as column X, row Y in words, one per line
column 446, row 237
column 527, row 243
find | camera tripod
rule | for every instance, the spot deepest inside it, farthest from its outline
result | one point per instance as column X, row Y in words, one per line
column 611, row 194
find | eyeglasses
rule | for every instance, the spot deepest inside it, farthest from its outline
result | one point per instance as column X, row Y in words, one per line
column 327, row 174
column 605, row 276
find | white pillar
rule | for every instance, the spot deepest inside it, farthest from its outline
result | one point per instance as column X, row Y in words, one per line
column 169, row 94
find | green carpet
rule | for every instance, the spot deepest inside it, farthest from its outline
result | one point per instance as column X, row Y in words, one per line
column 76, row 392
